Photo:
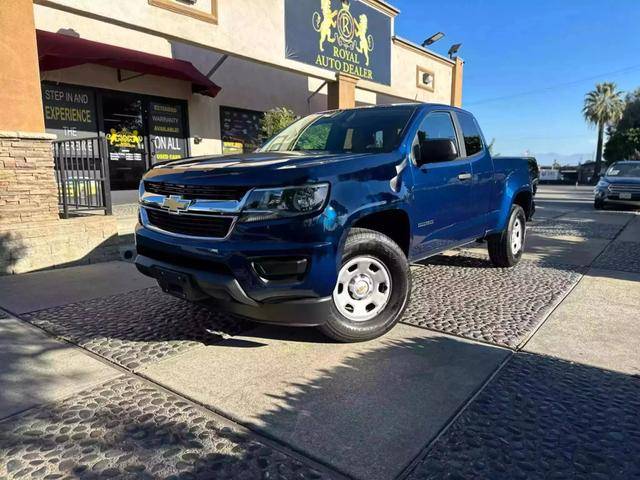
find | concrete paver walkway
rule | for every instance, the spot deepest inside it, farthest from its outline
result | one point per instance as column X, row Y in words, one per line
column 598, row 324
column 365, row 409
column 35, row 291
column 36, row 369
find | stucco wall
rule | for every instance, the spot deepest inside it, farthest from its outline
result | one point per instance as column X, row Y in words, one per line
column 248, row 84
column 19, row 82
column 249, row 29
column 405, row 62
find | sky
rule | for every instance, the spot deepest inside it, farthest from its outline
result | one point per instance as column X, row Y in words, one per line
column 555, row 51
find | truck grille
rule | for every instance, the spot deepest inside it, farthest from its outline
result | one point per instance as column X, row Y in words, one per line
column 193, row 225
column 196, row 192
column 624, row 188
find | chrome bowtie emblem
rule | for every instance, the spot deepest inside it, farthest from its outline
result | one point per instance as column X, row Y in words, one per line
column 176, row 204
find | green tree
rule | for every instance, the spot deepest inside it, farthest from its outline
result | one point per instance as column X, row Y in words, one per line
column 602, row 107
column 276, row 120
column 631, row 114
column 624, row 136
column 623, row 144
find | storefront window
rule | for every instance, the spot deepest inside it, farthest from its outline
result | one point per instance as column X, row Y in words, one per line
column 124, row 130
column 138, row 130
column 240, row 130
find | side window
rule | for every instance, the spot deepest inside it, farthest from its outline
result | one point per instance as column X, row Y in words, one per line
column 314, row 138
column 471, row 133
column 436, row 126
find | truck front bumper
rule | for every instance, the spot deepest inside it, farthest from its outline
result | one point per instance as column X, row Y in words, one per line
column 223, row 292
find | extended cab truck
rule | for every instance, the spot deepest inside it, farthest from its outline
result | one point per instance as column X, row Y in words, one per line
column 319, row 226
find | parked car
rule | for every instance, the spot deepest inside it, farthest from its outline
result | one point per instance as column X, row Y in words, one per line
column 319, row 226
column 619, row 185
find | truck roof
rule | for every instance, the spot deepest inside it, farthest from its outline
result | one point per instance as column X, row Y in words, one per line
column 420, row 105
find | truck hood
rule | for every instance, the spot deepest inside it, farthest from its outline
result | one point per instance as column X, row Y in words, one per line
column 269, row 169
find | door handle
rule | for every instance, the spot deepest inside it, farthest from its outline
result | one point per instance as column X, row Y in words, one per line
column 464, row 176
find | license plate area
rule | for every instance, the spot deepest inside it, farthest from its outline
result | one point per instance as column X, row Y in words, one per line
column 177, row 284
column 625, row 196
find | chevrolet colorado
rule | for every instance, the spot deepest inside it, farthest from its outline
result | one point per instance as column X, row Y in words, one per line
column 318, row 227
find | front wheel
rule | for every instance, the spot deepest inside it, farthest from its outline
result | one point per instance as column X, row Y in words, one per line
column 505, row 248
column 598, row 204
column 372, row 290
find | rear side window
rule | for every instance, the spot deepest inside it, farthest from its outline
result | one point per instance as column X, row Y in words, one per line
column 436, row 125
column 471, row 134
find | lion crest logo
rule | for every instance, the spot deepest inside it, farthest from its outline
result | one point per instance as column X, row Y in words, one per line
column 339, row 26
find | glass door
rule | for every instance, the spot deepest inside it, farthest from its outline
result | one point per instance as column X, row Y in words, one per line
column 124, row 128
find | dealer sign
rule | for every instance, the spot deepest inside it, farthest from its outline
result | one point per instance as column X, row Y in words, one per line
column 344, row 36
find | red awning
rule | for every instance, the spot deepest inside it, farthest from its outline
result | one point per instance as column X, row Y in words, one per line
column 56, row 50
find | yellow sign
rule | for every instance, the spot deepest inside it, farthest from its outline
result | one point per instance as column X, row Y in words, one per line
column 351, row 43
column 124, row 138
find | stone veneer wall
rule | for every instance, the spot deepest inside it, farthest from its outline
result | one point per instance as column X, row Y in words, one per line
column 32, row 236
column 28, row 188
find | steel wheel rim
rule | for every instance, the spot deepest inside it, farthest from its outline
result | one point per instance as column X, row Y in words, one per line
column 517, row 236
column 363, row 288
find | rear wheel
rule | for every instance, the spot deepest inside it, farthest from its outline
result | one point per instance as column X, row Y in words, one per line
column 372, row 290
column 505, row 248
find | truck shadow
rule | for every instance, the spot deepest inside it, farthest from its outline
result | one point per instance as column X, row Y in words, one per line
column 539, row 417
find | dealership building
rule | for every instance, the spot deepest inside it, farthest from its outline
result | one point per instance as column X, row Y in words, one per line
column 94, row 93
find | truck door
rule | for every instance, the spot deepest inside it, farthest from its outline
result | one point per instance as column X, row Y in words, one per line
column 441, row 191
column 483, row 182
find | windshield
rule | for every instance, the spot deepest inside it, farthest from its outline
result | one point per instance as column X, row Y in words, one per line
column 367, row 130
column 624, row 170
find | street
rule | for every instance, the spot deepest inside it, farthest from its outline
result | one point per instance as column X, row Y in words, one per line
column 530, row 372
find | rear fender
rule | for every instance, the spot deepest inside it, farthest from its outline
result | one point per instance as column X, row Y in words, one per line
column 516, row 182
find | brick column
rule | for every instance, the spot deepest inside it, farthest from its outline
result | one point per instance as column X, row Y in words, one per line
column 342, row 92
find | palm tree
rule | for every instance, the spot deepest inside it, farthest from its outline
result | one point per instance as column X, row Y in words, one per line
column 602, row 106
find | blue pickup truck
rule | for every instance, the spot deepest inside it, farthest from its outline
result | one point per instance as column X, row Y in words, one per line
column 319, row 226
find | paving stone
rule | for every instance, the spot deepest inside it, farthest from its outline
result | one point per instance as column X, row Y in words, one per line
column 127, row 429
column 585, row 228
column 137, row 327
column 623, row 256
column 543, row 418
column 466, row 295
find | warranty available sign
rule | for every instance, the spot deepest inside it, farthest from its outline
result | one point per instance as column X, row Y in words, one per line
column 344, row 36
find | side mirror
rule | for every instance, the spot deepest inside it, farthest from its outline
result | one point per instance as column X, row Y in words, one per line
column 437, row 150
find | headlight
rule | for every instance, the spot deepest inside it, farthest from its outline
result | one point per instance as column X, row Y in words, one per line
column 271, row 203
column 601, row 185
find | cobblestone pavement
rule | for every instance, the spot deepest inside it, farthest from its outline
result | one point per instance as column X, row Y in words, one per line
column 127, row 429
column 466, row 296
column 624, row 256
column 575, row 228
column 137, row 327
column 543, row 418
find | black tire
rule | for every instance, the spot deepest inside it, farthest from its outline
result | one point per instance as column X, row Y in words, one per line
column 598, row 204
column 363, row 242
column 501, row 251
